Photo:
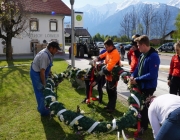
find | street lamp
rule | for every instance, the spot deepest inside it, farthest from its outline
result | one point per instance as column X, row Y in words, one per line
column 72, row 33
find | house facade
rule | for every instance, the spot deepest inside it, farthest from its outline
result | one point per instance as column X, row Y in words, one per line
column 46, row 23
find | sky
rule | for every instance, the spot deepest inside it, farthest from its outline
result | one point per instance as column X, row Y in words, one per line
column 81, row 3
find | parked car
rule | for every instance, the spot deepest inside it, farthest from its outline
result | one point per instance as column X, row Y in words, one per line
column 127, row 47
column 115, row 43
column 100, row 44
column 118, row 47
column 166, row 47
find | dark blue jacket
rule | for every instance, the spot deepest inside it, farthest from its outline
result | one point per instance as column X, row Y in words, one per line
column 148, row 78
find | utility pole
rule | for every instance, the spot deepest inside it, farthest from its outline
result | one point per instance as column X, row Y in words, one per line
column 72, row 34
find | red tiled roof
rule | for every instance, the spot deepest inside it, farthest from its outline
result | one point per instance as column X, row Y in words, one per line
column 38, row 6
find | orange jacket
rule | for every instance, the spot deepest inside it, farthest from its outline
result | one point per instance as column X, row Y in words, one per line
column 111, row 59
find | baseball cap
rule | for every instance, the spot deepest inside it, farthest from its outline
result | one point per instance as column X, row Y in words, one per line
column 54, row 45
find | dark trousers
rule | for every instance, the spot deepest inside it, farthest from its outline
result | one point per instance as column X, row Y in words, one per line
column 112, row 94
column 87, row 88
column 100, row 85
column 175, row 85
column 144, row 112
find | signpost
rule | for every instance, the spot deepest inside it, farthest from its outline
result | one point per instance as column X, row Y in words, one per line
column 72, row 34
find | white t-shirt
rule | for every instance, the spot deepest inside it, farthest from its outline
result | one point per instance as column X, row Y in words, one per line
column 160, row 108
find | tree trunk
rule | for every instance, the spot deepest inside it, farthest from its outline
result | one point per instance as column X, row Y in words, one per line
column 9, row 56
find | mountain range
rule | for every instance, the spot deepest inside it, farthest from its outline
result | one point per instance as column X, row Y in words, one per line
column 106, row 19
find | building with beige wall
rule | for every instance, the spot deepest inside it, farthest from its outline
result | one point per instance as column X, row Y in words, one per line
column 46, row 23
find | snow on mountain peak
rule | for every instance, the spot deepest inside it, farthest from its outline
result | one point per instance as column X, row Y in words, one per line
column 175, row 3
column 126, row 3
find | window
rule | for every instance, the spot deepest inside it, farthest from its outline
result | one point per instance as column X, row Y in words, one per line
column 53, row 25
column 34, row 25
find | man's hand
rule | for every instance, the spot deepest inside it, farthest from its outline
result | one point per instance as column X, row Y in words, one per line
column 42, row 76
column 168, row 82
column 133, row 81
column 93, row 62
column 93, row 84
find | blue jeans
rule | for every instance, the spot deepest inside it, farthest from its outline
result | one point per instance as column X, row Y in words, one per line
column 170, row 130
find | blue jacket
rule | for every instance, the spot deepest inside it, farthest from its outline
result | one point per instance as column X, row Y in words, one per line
column 148, row 78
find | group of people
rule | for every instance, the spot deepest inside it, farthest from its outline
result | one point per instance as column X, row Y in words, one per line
column 144, row 62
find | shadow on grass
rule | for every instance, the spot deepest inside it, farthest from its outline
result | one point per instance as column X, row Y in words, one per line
column 54, row 131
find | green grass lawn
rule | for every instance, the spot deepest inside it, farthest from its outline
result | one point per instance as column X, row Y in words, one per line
column 19, row 119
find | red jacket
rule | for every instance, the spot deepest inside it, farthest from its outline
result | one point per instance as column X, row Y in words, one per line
column 134, row 62
column 129, row 56
column 175, row 66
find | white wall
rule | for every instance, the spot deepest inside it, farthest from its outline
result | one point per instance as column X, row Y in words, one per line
column 21, row 45
column 168, row 37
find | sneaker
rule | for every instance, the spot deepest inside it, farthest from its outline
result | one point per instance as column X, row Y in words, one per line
column 84, row 101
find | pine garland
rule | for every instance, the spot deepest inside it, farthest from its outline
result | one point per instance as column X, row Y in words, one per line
column 82, row 123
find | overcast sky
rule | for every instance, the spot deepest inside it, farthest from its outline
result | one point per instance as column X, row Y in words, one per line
column 81, row 3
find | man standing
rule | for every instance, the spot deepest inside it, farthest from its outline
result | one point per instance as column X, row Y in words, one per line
column 122, row 50
column 112, row 58
column 40, row 69
column 146, row 73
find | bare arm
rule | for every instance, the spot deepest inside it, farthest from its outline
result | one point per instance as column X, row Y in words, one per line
column 42, row 76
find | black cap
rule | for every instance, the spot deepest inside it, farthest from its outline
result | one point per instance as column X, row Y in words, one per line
column 54, row 45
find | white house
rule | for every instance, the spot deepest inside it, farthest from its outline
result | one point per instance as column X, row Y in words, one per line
column 46, row 23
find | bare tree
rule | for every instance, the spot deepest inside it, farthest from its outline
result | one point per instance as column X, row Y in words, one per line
column 125, row 25
column 140, row 29
column 13, row 19
column 148, row 15
column 164, row 21
column 133, row 21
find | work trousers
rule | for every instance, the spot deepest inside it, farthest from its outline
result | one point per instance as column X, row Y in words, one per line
column 175, row 85
column 36, row 82
column 100, row 85
column 111, row 88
